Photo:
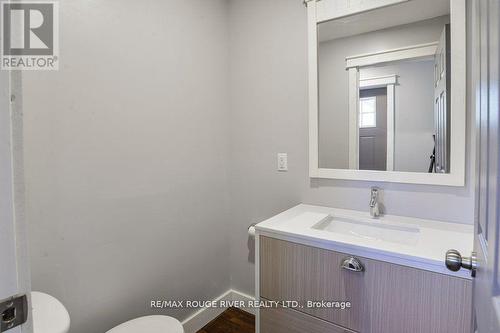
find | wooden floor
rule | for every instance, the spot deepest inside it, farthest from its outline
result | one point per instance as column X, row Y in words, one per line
column 231, row 321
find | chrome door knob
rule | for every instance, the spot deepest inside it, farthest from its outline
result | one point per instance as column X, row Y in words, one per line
column 455, row 261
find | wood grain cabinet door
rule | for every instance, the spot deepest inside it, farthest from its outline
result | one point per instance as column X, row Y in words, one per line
column 385, row 298
column 282, row 320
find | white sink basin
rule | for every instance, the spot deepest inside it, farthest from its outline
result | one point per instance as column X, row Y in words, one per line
column 372, row 229
column 402, row 240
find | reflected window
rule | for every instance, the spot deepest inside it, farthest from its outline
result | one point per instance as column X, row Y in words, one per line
column 368, row 112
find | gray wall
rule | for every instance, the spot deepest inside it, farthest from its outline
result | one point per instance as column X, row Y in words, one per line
column 334, row 84
column 126, row 159
column 269, row 115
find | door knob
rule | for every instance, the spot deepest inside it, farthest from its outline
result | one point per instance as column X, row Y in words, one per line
column 455, row 261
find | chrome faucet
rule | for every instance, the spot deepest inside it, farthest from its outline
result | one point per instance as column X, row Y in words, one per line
column 374, row 206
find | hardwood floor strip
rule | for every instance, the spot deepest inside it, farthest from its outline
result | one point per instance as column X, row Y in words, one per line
column 231, row 321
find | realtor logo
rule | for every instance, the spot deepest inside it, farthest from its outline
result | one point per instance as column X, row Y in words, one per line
column 30, row 36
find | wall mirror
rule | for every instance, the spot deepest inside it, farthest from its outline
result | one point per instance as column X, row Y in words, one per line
column 387, row 90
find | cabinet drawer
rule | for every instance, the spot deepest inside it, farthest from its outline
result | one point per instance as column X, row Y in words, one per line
column 385, row 298
column 283, row 320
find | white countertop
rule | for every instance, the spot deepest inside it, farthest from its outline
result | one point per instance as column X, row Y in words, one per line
column 426, row 251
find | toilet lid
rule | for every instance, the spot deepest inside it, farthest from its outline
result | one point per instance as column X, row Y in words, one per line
column 150, row 324
column 49, row 315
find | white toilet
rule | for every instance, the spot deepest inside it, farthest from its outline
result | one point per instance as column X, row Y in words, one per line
column 49, row 315
column 150, row 324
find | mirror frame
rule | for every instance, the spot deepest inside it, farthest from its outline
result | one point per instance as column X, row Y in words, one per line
column 326, row 10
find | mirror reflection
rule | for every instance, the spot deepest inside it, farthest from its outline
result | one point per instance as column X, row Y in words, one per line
column 384, row 90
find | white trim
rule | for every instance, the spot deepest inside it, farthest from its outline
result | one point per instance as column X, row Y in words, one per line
column 458, row 89
column 353, row 118
column 378, row 82
column 200, row 318
column 456, row 177
column 391, row 177
column 403, row 53
column 391, row 123
column 15, row 273
column 257, row 280
column 313, row 90
column 203, row 316
column 242, row 297
column 333, row 9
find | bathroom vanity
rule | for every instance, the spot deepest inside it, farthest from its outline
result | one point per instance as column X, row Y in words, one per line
column 387, row 88
column 391, row 270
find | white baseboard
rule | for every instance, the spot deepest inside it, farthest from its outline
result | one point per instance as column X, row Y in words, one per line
column 239, row 296
column 203, row 316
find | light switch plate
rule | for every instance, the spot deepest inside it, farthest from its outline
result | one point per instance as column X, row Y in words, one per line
column 282, row 162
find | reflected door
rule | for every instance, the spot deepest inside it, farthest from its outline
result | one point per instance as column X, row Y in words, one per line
column 441, row 102
column 373, row 129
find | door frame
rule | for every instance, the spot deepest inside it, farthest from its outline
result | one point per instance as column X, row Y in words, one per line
column 388, row 82
column 357, row 62
column 15, row 275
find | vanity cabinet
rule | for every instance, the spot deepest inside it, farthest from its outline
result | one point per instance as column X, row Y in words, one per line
column 384, row 297
column 285, row 320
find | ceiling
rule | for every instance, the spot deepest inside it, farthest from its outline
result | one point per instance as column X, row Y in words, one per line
column 378, row 19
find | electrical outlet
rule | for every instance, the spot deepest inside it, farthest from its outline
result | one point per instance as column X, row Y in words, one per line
column 282, row 162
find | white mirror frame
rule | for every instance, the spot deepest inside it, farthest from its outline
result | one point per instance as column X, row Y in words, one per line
column 325, row 10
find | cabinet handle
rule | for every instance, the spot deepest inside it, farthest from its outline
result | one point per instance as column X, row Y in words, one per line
column 352, row 264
